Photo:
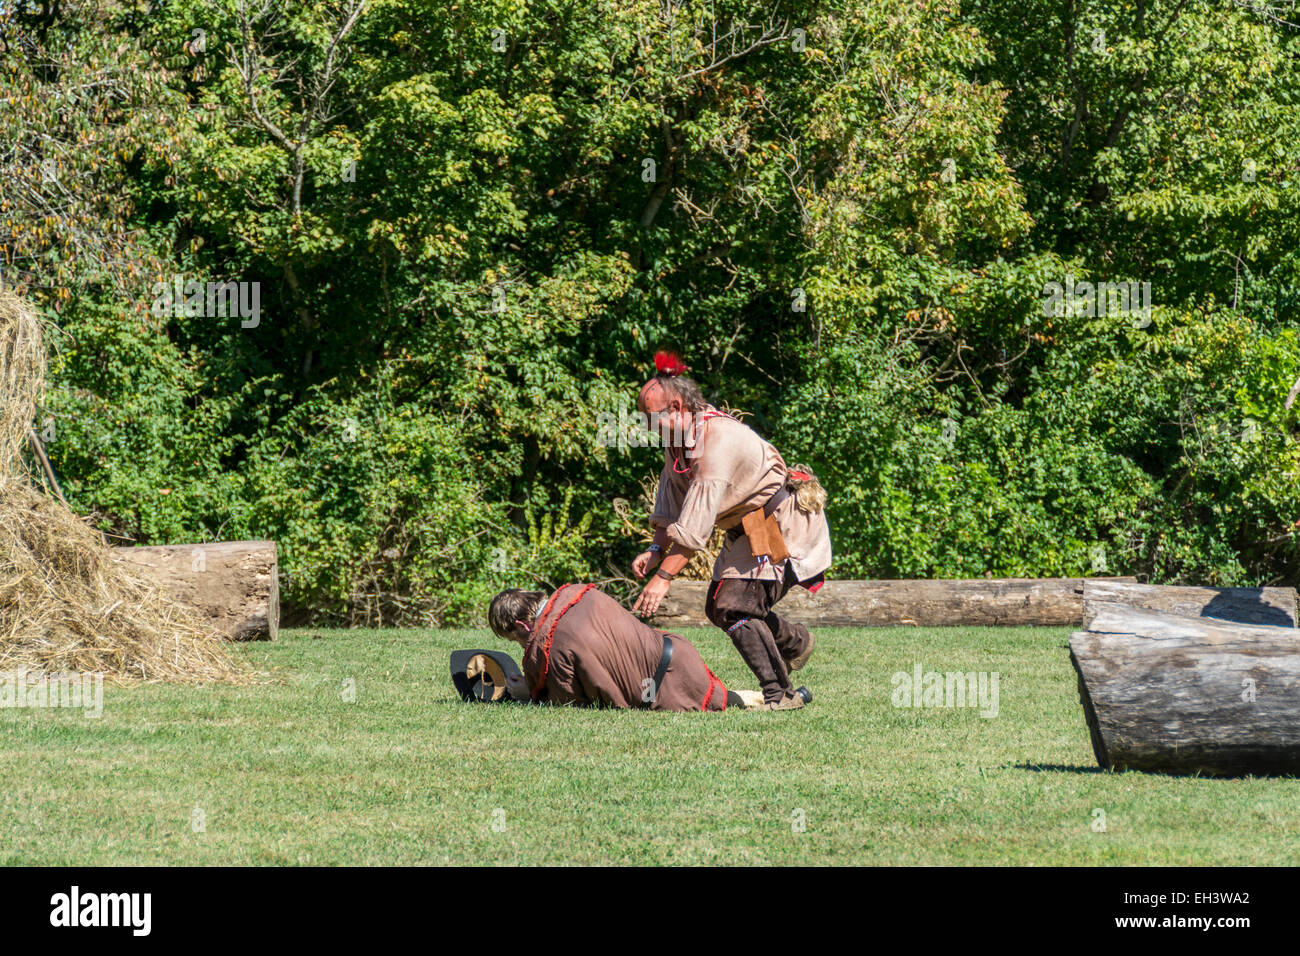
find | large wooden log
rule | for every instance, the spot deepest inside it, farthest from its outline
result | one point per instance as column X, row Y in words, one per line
column 1047, row 602
column 234, row 584
column 1272, row 606
column 1175, row 694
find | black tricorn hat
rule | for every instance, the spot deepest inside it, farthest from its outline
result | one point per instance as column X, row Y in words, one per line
column 480, row 676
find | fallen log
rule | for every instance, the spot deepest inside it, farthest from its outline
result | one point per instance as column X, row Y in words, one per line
column 234, row 584
column 1046, row 602
column 1176, row 694
column 1271, row 606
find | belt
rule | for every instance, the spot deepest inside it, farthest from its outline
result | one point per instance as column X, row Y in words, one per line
column 769, row 509
column 774, row 502
column 660, row 673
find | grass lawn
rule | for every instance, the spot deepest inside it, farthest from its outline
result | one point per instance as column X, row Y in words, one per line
column 290, row 772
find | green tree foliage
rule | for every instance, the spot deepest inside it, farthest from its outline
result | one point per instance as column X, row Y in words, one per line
column 471, row 224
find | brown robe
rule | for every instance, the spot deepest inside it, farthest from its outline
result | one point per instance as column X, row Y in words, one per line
column 732, row 471
column 602, row 655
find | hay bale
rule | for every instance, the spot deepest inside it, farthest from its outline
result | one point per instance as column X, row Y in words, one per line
column 65, row 605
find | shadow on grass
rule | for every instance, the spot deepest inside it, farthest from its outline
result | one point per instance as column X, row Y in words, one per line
column 1066, row 768
column 1058, row 768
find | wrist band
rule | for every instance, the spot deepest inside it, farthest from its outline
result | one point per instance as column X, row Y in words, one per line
column 654, row 547
column 660, row 572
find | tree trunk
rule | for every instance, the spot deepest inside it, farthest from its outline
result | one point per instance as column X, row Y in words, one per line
column 1271, row 606
column 234, row 584
column 1044, row 602
column 1174, row 694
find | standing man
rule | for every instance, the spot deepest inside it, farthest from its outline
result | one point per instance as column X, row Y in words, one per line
column 719, row 472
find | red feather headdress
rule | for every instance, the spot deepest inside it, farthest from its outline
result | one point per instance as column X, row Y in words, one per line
column 669, row 363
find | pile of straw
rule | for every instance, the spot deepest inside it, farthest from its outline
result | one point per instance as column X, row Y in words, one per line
column 65, row 604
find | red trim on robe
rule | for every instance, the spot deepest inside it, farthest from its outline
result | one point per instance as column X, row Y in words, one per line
column 709, row 694
column 550, row 634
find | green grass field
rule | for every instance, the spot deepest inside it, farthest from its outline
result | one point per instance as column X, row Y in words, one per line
column 290, row 772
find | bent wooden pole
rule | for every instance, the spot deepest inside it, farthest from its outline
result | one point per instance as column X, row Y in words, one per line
column 1179, row 694
column 1042, row 602
column 1272, row 606
column 234, row 584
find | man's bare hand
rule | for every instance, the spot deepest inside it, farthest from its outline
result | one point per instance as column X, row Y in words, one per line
column 654, row 592
column 517, row 688
column 641, row 564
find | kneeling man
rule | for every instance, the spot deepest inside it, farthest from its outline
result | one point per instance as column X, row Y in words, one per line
column 583, row 647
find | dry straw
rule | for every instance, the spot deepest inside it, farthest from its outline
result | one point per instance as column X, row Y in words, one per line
column 65, row 603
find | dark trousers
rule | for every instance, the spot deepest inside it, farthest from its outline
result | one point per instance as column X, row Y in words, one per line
column 766, row 642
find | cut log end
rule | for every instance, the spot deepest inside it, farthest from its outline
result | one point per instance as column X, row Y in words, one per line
column 1090, row 717
column 1177, row 694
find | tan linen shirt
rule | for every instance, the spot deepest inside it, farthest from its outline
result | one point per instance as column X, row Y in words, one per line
column 729, row 472
column 604, row 656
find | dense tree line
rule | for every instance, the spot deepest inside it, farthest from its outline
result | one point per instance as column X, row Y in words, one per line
column 876, row 227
